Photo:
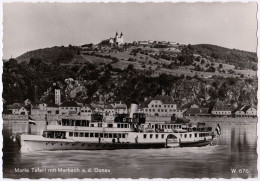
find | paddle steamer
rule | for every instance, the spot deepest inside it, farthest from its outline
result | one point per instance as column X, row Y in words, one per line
column 125, row 132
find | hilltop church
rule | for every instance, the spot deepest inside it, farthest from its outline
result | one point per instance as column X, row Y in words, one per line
column 117, row 41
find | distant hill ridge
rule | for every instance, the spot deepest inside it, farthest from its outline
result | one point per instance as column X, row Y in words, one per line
column 231, row 56
column 61, row 54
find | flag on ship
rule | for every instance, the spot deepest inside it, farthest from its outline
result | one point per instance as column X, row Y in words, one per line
column 31, row 121
column 218, row 129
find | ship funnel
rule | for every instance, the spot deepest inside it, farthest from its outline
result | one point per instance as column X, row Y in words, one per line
column 133, row 109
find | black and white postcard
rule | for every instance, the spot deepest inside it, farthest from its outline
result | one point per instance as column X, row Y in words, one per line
column 129, row 90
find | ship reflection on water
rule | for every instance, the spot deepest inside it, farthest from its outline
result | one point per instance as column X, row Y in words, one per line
column 235, row 149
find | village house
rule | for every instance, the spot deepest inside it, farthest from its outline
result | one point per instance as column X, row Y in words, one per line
column 197, row 112
column 160, row 106
column 87, row 110
column 109, row 110
column 251, row 111
column 119, row 106
column 222, row 109
column 17, row 109
column 69, row 108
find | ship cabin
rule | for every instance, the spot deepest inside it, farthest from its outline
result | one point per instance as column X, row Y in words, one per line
column 161, row 127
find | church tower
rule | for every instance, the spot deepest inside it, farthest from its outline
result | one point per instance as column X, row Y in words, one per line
column 119, row 40
column 57, row 97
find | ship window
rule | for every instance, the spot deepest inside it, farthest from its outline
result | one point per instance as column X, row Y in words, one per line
column 195, row 135
column 185, row 135
column 152, row 126
column 162, row 126
column 181, row 135
column 118, row 125
column 123, row 135
column 92, row 125
column 81, row 134
column 119, row 135
column 76, row 134
column 110, row 135
column 151, row 135
column 144, row 136
column 114, row 135
column 162, row 135
column 96, row 135
column 125, row 125
column 101, row 135
column 110, row 125
column 190, row 135
column 156, row 136
column 105, row 135
column 71, row 134
column 91, row 134
column 86, row 134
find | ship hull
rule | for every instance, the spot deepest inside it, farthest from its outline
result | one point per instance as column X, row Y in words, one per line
column 195, row 143
column 27, row 146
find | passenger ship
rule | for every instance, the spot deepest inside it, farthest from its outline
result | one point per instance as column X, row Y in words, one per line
column 125, row 132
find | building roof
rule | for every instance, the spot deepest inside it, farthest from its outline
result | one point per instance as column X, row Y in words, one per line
column 89, row 106
column 120, row 106
column 52, row 105
column 197, row 111
column 69, row 104
column 15, row 106
column 108, row 107
column 164, row 99
column 246, row 108
column 223, row 106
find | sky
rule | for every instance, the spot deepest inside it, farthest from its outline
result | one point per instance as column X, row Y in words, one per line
column 30, row 26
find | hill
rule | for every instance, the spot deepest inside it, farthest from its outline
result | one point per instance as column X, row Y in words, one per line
column 241, row 59
column 51, row 55
column 131, row 73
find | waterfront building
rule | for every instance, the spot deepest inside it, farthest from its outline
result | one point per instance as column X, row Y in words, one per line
column 160, row 106
column 69, row 108
column 251, row 111
column 87, row 110
column 109, row 110
column 197, row 112
column 222, row 109
column 17, row 109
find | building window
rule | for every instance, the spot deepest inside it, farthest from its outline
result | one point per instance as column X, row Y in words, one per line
column 151, row 136
column 144, row 136
column 162, row 136
column 156, row 136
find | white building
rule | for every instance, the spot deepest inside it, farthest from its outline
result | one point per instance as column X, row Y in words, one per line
column 160, row 106
column 69, row 108
column 251, row 112
column 17, row 109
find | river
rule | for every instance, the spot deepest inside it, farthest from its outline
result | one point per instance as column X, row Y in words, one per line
column 235, row 151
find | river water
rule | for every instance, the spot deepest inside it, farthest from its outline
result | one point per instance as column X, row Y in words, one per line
column 236, row 149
